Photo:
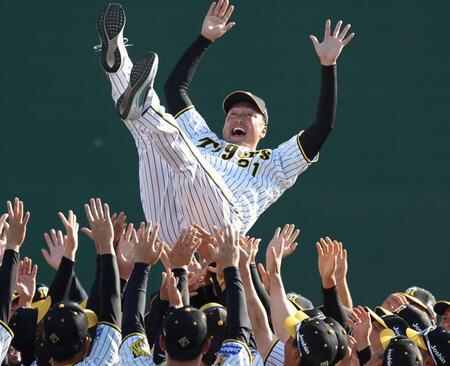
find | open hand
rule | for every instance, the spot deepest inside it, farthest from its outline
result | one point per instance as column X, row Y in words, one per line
column 71, row 237
column 331, row 46
column 101, row 228
column 147, row 249
column 226, row 253
column 17, row 224
column 125, row 252
column 56, row 246
column 183, row 251
column 3, row 228
column 26, row 281
column 327, row 252
column 216, row 23
column 361, row 327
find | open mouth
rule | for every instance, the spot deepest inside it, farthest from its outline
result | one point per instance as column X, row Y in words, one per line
column 238, row 131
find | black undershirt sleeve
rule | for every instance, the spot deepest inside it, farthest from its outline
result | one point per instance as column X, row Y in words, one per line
column 177, row 85
column 134, row 300
column 238, row 323
column 313, row 138
column 110, row 300
column 94, row 295
column 76, row 291
column 8, row 274
column 182, row 286
column 364, row 355
column 60, row 286
column 332, row 305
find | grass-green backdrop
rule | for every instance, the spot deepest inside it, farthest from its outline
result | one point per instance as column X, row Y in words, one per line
column 383, row 181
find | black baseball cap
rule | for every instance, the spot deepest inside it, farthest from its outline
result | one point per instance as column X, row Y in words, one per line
column 64, row 328
column 436, row 340
column 315, row 339
column 421, row 297
column 415, row 318
column 300, row 302
column 23, row 323
column 441, row 307
column 245, row 96
column 216, row 318
column 401, row 351
column 185, row 332
column 341, row 336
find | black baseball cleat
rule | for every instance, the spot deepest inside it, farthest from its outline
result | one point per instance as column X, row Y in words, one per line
column 110, row 26
column 131, row 103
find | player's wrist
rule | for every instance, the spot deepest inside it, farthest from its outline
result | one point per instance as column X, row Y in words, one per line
column 328, row 282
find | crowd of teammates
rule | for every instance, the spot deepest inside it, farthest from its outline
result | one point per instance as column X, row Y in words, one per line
column 215, row 305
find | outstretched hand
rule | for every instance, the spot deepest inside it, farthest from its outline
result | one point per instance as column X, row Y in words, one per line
column 17, row 224
column 26, row 281
column 327, row 252
column 331, row 47
column 216, row 23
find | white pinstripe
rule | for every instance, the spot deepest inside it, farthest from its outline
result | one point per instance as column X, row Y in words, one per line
column 5, row 341
column 181, row 183
column 276, row 355
column 105, row 349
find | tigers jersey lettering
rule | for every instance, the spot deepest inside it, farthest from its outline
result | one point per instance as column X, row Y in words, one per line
column 275, row 357
column 6, row 336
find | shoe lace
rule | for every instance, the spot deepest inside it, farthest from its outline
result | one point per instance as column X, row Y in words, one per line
column 98, row 47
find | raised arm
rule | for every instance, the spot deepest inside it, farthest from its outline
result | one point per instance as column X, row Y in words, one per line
column 312, row 139
column 215, row 25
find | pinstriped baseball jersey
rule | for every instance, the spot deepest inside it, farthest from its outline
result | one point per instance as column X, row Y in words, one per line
column 256, row 358
column 135, row 350
column 105, row 349
column 233, row 353
column 275, row 356
column 256, row 178
column 189, row 175
column 6, row 336
column 178, row 186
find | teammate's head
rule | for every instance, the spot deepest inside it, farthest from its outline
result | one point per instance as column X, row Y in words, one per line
column 443, row 309
column 423, row 299
column 400, row 351
column 312, row 341
column 246, row 119
column 185, row 335
column 65, row 332
column 216, row 318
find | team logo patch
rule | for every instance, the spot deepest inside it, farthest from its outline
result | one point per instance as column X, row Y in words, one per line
column 54, row 338
column 140, row 348
column 184, row 342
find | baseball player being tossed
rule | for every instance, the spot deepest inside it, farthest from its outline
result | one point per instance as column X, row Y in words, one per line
column 187, row 173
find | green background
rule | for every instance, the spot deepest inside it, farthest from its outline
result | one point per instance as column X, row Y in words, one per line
column 382, row 185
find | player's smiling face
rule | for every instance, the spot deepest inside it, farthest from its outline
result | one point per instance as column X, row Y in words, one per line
column 244, row 125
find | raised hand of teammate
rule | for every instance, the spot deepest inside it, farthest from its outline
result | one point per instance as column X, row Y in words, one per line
column 26, row 282
column 101, row 227
column 119, row 224
column 226, row 253
column 246, row 252
column 327, row 252
column 175, row 298
column 205, row 239
column 275, row 251
column 361, row 326
column 3, row 225
column 290, row 235
column 71, row 238
column 147, row 249
column 56, row 248
column 16, row 227
column 125, row 252
column 331, row 47
column 183, row 251
column 394, row 301
column 215, row 24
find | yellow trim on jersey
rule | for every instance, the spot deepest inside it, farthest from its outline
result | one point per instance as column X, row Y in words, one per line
column 116, row 327
column 303, row 151
column 131, row 335
column 240, row 342
column 176, row 115
column 194, row 153
column 269, row 352
column 4, row 325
